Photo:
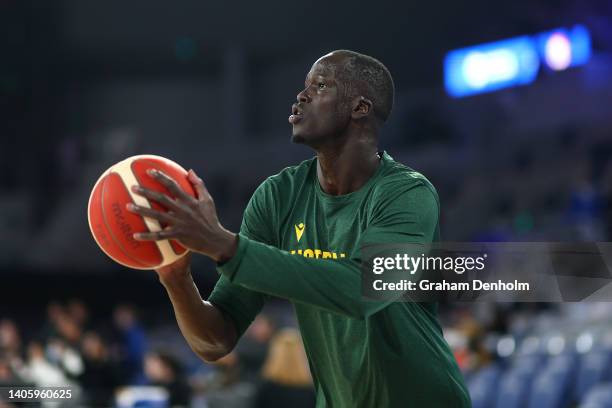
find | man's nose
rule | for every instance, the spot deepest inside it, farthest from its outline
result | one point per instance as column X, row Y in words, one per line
column 303, row 97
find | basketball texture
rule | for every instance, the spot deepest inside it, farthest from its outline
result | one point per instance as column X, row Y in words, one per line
column 113, row 226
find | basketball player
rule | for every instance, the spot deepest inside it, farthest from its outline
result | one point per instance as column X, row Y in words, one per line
column 300, row 240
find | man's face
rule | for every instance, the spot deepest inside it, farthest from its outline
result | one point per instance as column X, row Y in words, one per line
column 320, row 114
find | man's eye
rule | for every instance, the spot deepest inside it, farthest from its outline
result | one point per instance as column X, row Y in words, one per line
column 322, row 85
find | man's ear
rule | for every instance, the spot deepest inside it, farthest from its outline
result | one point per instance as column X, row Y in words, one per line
column 362, row 107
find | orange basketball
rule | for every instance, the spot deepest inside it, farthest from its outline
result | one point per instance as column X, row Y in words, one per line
column 113, row 226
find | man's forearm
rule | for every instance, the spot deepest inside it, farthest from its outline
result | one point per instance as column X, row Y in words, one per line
column 209, row 333
column 334, row 286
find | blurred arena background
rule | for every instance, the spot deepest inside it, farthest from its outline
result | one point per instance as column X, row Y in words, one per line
column 209, row 85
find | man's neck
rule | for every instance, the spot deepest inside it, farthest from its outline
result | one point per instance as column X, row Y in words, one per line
column 346, row 168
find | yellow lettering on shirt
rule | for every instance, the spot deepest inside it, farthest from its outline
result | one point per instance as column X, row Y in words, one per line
column 317, row 253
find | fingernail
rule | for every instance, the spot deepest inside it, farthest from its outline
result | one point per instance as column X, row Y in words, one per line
column 136, row 189
column 152, row 172
column 130, row 206
column 193, row 174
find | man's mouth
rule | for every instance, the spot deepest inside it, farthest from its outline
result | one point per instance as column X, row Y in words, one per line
column 293, row 119
column 296, row 115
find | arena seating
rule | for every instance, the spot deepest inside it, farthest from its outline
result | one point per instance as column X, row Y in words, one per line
column 561, row 366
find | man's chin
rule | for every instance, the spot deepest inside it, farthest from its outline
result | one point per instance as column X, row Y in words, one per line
column 309, row 140
column 298, row 138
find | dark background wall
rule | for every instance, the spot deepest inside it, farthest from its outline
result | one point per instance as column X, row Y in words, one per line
column 209, row 85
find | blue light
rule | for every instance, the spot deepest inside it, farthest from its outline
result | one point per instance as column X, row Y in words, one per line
column 558, row 51
column 581, row 45
column 516, row 61
column 491, row 66
column 562, row 48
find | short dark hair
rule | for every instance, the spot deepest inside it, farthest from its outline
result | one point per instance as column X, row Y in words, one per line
column 367, row 76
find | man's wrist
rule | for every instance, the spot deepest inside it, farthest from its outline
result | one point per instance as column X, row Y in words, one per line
column 176, row 279
column 228, row 248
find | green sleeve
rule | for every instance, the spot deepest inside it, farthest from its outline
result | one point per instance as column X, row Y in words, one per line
column 236, row 301
column 403, row 215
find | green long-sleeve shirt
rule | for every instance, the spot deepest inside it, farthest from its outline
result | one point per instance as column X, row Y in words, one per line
column 299, row 243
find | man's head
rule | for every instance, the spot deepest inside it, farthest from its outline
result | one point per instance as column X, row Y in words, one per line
column 343, row 90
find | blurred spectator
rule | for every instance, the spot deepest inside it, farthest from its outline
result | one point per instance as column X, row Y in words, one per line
column 472, row 353
column 40, row 371
column 54, row 310
column 10, row 356
column 286, row 376
column 10, row 341
column 8, row 378
column 132, row 343
column 226, row 373
column 163, row 370
column 65, row 357
column 68, row 330
column 101, row 374
column 252, row 349
column 78, row 312
column 61, row 324
column 223, row 387
column 7, row 374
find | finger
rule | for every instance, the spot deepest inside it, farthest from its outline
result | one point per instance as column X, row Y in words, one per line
column 167, row 233
column 169, row 183
column 198, row 184
column 161, row 198
column 151, row 213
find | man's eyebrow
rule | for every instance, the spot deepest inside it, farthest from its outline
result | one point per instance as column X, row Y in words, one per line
column 323, row 75
column 324, row 72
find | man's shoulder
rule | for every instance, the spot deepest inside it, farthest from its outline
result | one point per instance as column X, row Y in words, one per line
column 397, row 176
